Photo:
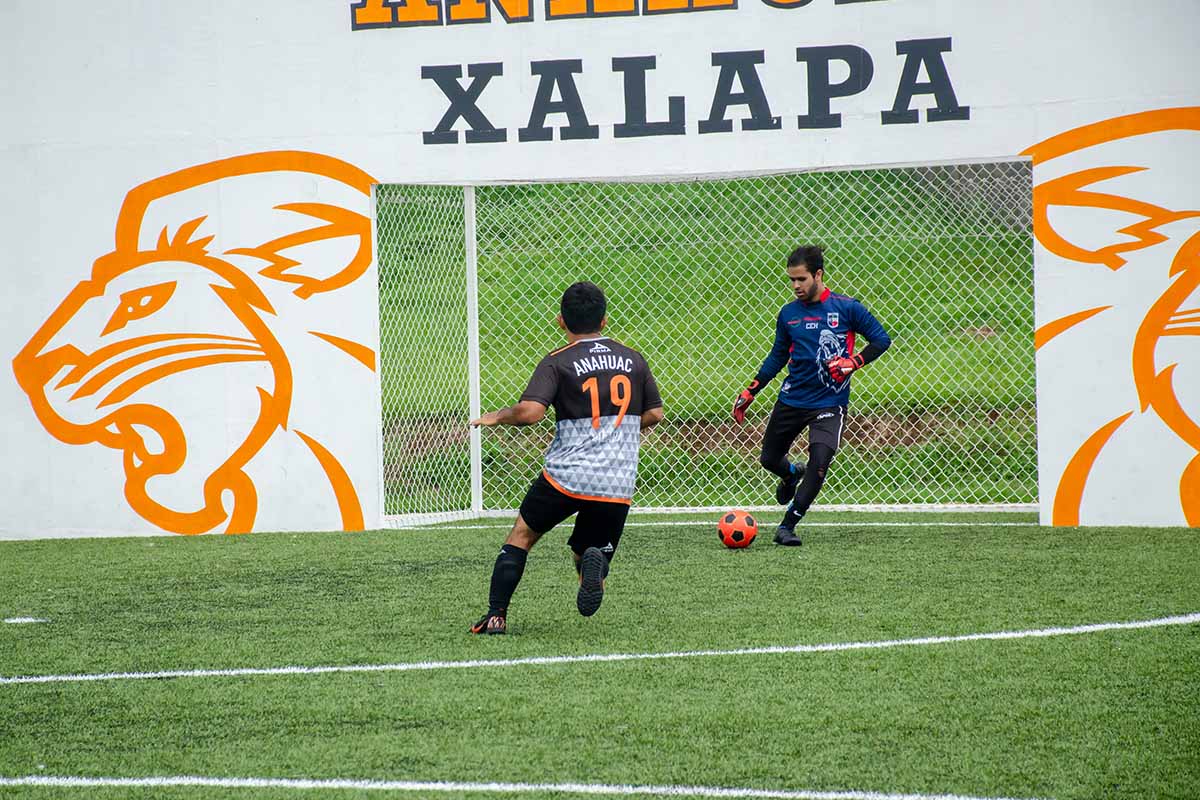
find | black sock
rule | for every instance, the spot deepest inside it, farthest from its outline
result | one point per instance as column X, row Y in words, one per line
column 791, row 516
column 510, row 566
column 819, row 459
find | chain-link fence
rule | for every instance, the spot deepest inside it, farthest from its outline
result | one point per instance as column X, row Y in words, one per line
column 694, row 273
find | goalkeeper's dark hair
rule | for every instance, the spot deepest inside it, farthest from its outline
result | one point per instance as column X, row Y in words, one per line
column 811, row 255
column 583, row 307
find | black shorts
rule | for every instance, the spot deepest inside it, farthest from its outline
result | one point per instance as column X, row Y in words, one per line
column 599, row 524
column 824, row 426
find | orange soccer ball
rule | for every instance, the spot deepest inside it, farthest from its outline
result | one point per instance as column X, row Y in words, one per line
column 736, row 529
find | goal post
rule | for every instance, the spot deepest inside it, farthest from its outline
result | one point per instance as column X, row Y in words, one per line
column 470, row 279
column 425, row 353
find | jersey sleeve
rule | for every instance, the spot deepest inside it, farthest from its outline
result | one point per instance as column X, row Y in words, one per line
column 864, row 322
column 650, row 396
column 778, row 357
column 543, row 385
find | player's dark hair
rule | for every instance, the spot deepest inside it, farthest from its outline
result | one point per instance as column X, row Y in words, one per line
column 810, row 255
column 583, row 307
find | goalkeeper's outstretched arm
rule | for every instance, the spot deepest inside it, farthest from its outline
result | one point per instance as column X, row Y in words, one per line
column 526, row 412
column 780, row 350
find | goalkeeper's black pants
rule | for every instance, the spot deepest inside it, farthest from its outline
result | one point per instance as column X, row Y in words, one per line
column 824, row 436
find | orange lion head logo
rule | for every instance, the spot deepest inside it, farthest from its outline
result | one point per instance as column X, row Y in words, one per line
column 1106, row 209
column 116, row 362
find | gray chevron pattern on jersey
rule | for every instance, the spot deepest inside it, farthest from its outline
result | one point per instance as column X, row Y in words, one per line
column 598, row 462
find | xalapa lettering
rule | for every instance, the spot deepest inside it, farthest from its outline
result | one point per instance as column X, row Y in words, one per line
column 923, row 72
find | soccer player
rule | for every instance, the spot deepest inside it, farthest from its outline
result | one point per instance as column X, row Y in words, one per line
column 815, row 336
column 604, row 397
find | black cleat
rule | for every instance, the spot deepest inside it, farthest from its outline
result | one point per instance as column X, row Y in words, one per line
column 787, row 537
column 491, row 624
column 786, row 489
column 593, row 568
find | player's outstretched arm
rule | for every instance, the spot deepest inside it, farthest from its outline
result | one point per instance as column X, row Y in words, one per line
column 526, row 412
column 775, row 360
column 651, row 417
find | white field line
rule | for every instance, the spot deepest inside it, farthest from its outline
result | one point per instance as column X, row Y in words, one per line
column 457, row 786
column 415, row 666
column 24, row 620
column 807, row 524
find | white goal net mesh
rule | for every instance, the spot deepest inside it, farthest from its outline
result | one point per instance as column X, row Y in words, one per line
column 694, row 273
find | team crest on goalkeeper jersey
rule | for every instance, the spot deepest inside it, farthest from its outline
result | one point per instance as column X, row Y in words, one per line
column 832, row 319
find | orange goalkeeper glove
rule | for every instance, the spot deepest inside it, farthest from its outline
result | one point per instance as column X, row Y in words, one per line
column 840, row 368
column 744, row 400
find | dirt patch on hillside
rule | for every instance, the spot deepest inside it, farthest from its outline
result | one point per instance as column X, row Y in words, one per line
column 415, row 439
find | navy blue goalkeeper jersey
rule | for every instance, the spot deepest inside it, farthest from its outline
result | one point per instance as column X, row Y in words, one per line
column 807, row 336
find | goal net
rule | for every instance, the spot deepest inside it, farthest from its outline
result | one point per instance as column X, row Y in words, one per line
column 470, row 279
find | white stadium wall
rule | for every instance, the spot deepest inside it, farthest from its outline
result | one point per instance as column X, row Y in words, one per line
column 190, row 315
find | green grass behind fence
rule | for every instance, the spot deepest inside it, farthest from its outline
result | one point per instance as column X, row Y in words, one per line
column 944, row 262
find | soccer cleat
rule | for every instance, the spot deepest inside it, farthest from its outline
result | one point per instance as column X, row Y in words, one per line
column 787, row 537
column 786, row 489
column 491, row 624
column 593, row 568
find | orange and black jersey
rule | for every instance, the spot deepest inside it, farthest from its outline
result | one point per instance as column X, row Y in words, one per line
column 599, row 389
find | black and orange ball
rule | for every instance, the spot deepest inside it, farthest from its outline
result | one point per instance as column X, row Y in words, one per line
column 736, row 529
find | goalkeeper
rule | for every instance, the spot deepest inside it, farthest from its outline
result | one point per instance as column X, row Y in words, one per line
column 815, row 337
